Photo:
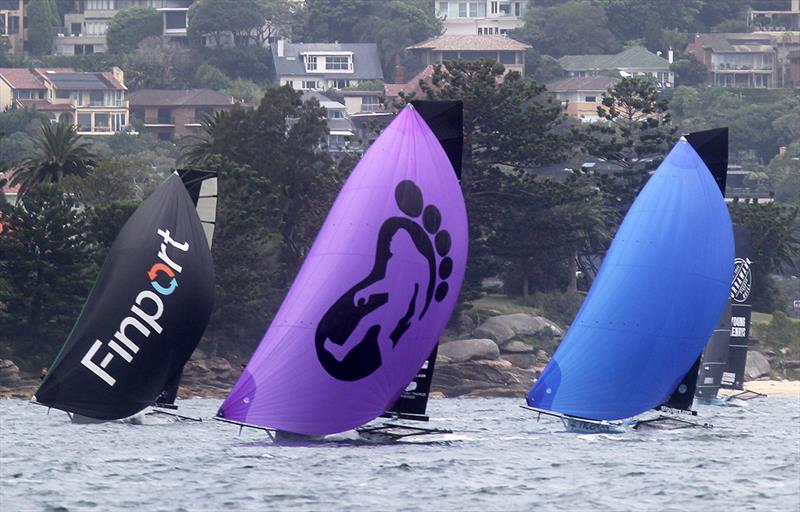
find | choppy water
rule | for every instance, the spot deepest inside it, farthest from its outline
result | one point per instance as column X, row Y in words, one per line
column 500, row 458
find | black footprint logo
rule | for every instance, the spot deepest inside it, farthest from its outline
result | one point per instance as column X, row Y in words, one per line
column 349, row 335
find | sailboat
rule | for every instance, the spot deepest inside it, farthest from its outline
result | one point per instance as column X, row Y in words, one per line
column 652, row 307
column 725, row 357
column 371, row 298
column 144, row 317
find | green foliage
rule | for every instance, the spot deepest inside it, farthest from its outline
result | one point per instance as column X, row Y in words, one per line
column 251, row 63
column 59, row 152
column 47, row 270
column 244, row 91
column 688, row 70
column 104, row 222
column 558, row 306
column 209, row 77
column 575, row 27
column 367, row 85
column 635, row 135
column 542, row 68
column 16, row 119
column 774, row 234
column 783, row 172
column 130, row 26
column 645, row 21
column 42, row 17
column 112, row 179
column 334, row 20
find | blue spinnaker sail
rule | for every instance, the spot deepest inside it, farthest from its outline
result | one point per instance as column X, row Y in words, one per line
column 653, row 305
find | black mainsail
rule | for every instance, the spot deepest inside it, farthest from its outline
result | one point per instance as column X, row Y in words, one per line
column 143, row 318
column 733, row 377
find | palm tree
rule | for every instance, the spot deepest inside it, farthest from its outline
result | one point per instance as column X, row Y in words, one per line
column 59, row 152
column 198, row 152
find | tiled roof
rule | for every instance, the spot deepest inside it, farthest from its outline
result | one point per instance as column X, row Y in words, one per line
column 176, row 98
column 735, row 42
column 366, row 62
column 583, row 83
column 394, row 90
column 20, row 78
column 470, row 43
column 633, row 57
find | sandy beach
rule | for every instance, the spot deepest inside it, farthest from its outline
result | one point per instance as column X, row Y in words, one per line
column 774, row 387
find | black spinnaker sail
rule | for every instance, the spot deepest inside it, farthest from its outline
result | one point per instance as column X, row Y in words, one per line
column 144, row 316
column 446, row 121
column 712, row 147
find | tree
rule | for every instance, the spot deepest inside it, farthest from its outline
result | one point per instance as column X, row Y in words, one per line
column 243, row 18
column 42, row 18
column 244, row 91
column 396, row 24
column 510, row 126
column 688, row 70
column 60, row 152
column 575, row 27
column 129, row 27
column 207, row 76
column 45, row 261
column 635, row 135
column 111, row 180
column 333, row 20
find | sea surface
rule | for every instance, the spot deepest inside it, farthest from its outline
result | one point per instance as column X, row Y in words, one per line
column 498, row 458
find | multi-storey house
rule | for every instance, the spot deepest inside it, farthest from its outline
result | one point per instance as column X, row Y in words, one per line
column 633, row 61
column 93, row 102
column 12, row 25
column 323, row 66
column 580, row 96
column 483, row 17
column 502, row 49
column 737, row 60
column 85, row 26
column 175, row 113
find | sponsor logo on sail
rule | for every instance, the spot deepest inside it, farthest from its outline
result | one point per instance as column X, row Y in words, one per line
column 742, row 280
column 146, row 310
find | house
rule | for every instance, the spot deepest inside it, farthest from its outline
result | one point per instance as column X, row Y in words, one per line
column 633, row 61
column 502, row 49
column 777, row 20
column 85, row 26
column 12, row 25
column 742, row 60
column 94, row 102
column 392, row 91
column 360, row 101
column 340, row 127
column 484, row 17
column 581, row 95
column 175, row 113
column 323, row 66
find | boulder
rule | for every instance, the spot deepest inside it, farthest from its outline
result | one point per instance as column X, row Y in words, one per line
column 482, row 378
column 504, row 327
column 757, row 366
column 9, row 373
column 542, row 356
column 460, row 351
column 516, row 347
column 520, row 360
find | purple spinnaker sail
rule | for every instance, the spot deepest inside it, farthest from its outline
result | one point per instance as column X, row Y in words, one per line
column 372, row 297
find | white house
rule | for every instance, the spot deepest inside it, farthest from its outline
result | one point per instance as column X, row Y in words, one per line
column 322, row 66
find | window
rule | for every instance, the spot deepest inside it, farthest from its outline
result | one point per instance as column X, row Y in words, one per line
column 100, row 5
column 340, row 84
column 336, row 141
column 311, row 63
column 335, row 114
column 508, row 57
column 84, row 49
column 102, row 123
column 138, row 113
column 95, row 29
column 114, row 98
column 337, row 63
column 505, row 9
column 96, row 98
column 478, row 55
column 76, row 29
column 442, row 8
column 370, row 103
column 62, row 94
column 517, row 9
column 164, row 116
column 591, row 99
column 84, row 122
column 117, row 122
column 175, row 20
column 494, row 7
column 309, row 84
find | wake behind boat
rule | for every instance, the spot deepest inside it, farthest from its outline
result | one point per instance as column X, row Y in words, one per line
column 144, row 317
column 658, row 295
column 371, row 299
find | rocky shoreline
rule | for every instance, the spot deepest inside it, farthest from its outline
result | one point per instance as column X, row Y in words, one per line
column 501, row 357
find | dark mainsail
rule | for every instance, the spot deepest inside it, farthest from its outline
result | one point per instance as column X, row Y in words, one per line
column 712, row 147
column 733, row 377
column 144, row 316
column 446, row 121
column 715, row 358
column 202, row 188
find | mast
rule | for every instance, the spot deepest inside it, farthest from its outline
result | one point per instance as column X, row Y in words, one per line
column 712, row 147
column 202, row 188
column 446, row 121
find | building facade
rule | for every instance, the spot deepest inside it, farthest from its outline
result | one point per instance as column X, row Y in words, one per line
column 483, row 17
column 633, row 61
column 323, row 66
column 85, row 26
column 94, row 103
column 748, row 61
column 168, row 113
column 580, row 96
column 502, row 49
column 12, row 25
column 785, row 20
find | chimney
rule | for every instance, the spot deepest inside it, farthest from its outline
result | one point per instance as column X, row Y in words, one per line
column 118, row 75
column 280, row 49
column 670, row 56
column 399, row 74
